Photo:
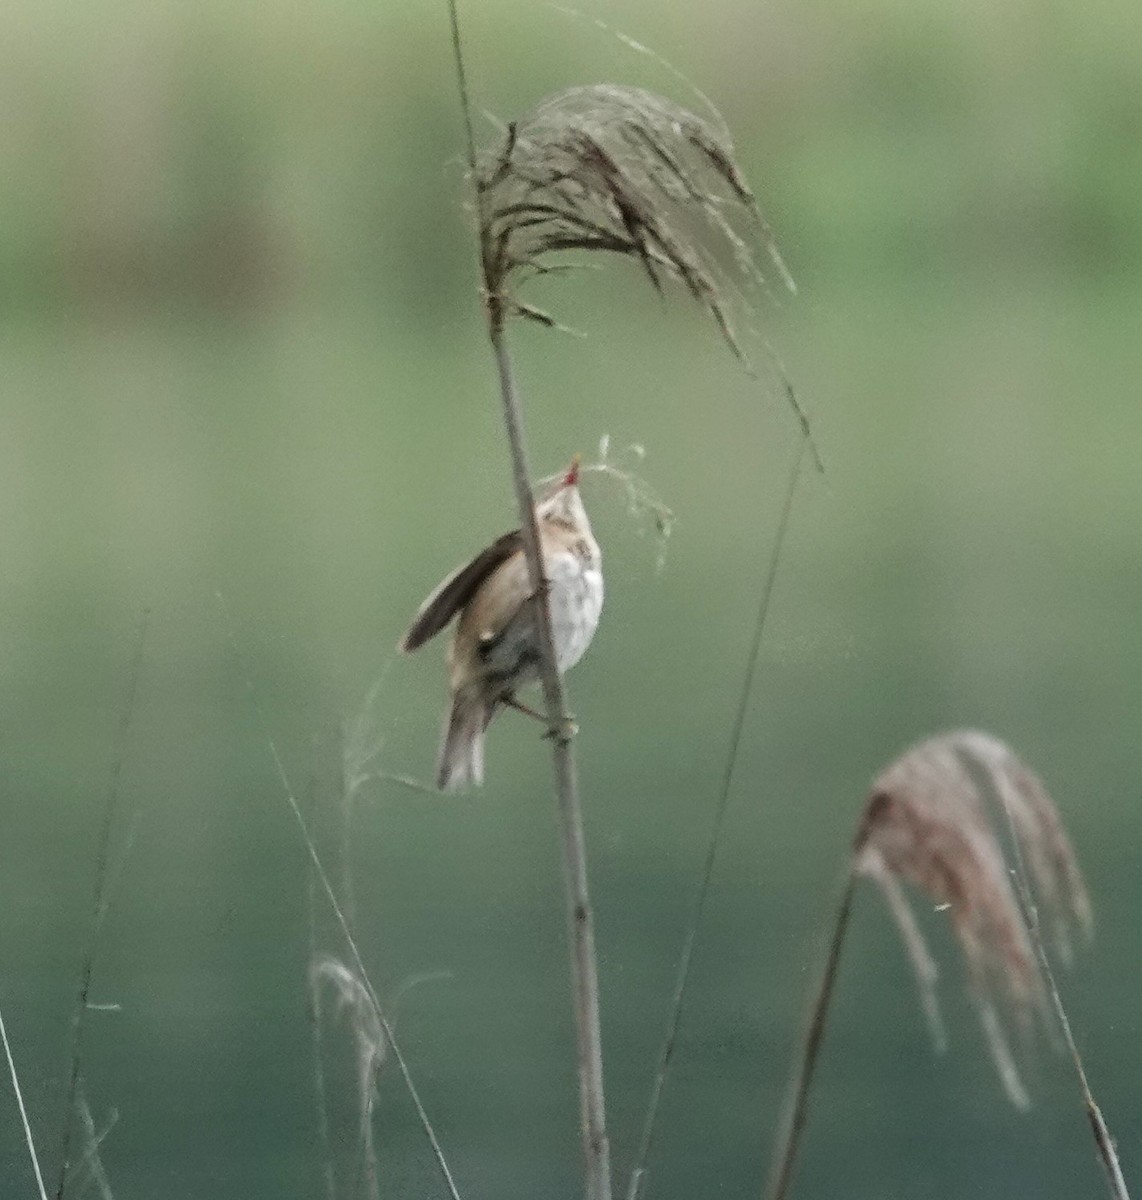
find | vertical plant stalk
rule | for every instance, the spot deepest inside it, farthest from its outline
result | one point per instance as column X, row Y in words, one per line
column 674, row 1019
column 1104, row 1143
column 23, row 1111
column 796, row 1110
column 580, row 923
column 98, row 907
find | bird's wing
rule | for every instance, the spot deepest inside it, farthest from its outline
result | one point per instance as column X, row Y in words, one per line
column 454, row 592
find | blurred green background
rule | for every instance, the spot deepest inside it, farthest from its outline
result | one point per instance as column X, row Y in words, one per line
column 241, row 352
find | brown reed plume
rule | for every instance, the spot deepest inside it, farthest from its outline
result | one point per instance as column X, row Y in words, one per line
column 622, row 170
column 619, row 169
column 926, row 824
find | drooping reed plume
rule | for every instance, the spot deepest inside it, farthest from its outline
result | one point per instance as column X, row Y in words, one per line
column 370, row 1046
column 624, row 171
column 355, row 1007
column 926, row 824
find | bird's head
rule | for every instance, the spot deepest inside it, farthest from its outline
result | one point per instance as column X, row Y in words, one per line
column 562, row 502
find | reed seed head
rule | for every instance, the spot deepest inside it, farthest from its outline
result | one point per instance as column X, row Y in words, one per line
column 623, row 170
column 926, row 824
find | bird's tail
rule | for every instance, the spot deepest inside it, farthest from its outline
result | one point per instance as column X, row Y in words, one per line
column 461, row 760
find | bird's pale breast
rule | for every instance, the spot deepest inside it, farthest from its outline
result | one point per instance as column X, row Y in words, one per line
column 575, row 600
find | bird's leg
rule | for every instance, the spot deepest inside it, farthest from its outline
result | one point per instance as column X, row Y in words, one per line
column 511, row 702
column 565, row 730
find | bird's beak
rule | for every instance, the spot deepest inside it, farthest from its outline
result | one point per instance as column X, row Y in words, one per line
column 571, row 479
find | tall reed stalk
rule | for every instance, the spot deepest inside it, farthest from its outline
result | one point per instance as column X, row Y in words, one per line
column 580, row 922
column 621, row 171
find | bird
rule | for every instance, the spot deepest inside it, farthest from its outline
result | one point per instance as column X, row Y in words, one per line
column 495, row 648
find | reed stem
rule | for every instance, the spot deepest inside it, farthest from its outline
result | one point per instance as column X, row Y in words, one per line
column 580, row 923
column 796, row 1112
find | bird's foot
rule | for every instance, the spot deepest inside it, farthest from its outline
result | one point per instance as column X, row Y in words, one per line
column 563, row 730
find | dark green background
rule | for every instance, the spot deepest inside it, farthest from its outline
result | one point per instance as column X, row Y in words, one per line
column 240, row 351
